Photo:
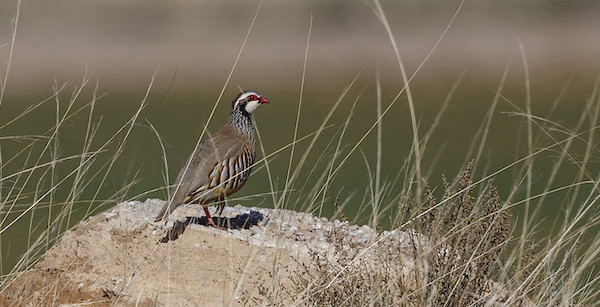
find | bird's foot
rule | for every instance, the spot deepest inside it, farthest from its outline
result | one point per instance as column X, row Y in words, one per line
column 212, row 223
column 210, row 219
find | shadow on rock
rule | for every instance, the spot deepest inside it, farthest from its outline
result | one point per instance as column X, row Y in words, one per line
column 240, row 221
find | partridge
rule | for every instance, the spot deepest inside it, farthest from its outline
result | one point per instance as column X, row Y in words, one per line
column 221, row 164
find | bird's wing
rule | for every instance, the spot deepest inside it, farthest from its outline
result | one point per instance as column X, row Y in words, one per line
column 204, row 165
column 227, row 176
column 212, row 164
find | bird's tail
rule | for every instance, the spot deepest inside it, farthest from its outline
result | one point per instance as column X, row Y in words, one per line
column 165, row 211
column 177, row 197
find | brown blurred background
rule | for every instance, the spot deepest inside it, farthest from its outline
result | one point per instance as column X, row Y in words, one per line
column 123, row 42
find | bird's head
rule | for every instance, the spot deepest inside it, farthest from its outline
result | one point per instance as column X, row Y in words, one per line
column 248, row 101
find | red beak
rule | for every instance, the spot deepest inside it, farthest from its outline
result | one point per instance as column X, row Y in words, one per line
column 263, row 100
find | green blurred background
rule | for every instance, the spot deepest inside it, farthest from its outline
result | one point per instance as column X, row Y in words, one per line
column 192, row 46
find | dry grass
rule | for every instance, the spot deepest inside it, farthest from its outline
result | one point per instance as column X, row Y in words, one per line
column 448, row 260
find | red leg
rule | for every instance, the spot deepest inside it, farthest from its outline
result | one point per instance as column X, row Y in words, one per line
column 210, row 220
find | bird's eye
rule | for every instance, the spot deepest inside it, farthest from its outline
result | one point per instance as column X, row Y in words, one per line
column 252, row 97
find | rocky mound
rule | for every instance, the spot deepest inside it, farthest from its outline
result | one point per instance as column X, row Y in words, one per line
column 117, row 258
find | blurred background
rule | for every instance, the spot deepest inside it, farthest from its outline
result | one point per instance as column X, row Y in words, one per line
column 125, row 41
column 548, row 46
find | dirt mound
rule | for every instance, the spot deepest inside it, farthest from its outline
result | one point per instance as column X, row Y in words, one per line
column 116, row 257
column 119, row 258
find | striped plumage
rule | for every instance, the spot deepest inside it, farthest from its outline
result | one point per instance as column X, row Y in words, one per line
column 222, row 163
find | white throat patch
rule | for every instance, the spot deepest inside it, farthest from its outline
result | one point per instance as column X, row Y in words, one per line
column 252, row 105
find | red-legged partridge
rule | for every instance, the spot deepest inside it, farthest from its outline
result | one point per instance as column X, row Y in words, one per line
column 221, row 164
